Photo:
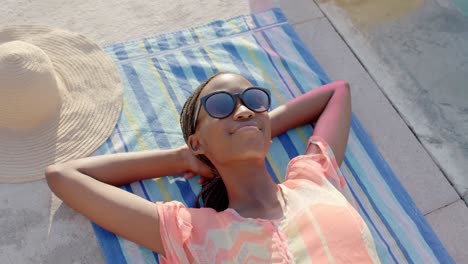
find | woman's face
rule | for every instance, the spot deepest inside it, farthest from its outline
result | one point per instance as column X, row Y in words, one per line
column 244, row 135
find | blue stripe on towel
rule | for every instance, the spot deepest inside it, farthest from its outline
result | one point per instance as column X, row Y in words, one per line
column 148, row 47
column 197, row 68
column 277, row 71
column 238, row 62
column 377, row 210
column 163, row 43
column 401, row 195
column 180, row 75
column 288, row 145
column 301, row 49
column 366, row 215
column 179, row 36
column 186, row 191
column 145, row 105
column 169, row 87
column 110, row 245
column 119, row 51
column 285, row 64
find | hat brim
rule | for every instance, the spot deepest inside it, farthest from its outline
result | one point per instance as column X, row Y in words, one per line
column 91, row 105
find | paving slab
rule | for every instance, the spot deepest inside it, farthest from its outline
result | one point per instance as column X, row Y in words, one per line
column 298, row 11
column 416, row 53
column 451, row 225
column 415, row 169
column 36, row 228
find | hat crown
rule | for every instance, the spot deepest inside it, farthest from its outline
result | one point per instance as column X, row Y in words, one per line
column 29, row 92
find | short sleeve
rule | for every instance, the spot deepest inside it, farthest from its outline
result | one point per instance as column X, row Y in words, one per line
column 316, row 166
column 175, row 228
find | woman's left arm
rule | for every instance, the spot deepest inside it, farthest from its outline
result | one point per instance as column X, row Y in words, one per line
column 329, row 106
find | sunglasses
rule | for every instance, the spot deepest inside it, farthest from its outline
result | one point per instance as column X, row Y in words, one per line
column 222, row 104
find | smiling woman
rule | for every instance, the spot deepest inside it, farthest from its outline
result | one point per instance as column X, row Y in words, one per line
column 225, row 94
column 245, row 215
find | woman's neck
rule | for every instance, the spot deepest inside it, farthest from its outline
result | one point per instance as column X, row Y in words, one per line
column 249, row 186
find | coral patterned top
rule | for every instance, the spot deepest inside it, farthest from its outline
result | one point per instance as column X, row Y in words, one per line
column 319, row 225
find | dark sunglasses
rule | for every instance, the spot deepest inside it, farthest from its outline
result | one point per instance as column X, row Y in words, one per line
column 221, row 104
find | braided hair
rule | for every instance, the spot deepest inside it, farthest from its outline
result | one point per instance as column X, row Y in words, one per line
column 213, row 192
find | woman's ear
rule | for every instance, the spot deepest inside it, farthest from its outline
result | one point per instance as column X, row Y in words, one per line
column 195, row 145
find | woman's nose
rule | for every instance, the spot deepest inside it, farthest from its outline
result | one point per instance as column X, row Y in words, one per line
column 242, row 112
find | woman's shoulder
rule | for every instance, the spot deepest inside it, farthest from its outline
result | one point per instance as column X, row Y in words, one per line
column 178, row 206
column 316, row 164
column 194, row 216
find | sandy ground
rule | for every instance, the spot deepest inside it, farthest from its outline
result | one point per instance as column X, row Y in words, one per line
column 119, row 20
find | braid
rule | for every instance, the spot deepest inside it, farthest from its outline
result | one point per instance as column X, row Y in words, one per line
column 213, row 192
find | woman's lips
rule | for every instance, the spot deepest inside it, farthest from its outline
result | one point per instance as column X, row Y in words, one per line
column 247, row 128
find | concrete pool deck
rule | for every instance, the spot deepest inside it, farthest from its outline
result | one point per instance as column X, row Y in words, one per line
column 37, row 228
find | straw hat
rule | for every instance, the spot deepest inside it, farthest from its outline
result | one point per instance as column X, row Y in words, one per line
column 60, row 98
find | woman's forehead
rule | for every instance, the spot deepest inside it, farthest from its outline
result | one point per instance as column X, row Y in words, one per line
column 229, row 82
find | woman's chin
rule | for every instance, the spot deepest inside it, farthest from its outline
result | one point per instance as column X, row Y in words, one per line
column 248, row 153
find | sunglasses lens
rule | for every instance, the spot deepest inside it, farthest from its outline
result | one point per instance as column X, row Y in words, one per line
column 219, row 105
column 257, row 100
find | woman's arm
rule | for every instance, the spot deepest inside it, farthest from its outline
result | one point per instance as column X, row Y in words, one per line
column 123, row 168
column 112, row 208
column 329, row 106
column 86, row 186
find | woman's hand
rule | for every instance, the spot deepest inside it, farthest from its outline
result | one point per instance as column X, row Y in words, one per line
column 193, row 166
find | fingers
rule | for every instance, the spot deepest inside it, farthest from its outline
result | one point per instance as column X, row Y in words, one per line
column 203, row 177
column 207, row 172
column 189, row 175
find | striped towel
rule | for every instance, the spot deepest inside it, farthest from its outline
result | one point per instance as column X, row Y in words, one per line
column 160, row 72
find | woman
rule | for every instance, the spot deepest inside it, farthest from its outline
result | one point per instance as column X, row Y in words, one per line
column 247, row 216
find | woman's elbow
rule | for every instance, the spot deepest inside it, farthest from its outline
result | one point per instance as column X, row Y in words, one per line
column 52, row 171
column 342, row 84
column 343, row 90
column 53, row 174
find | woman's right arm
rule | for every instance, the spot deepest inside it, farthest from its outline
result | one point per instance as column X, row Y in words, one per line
column 329, row 106
column 88, row 186
column 123, row 168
